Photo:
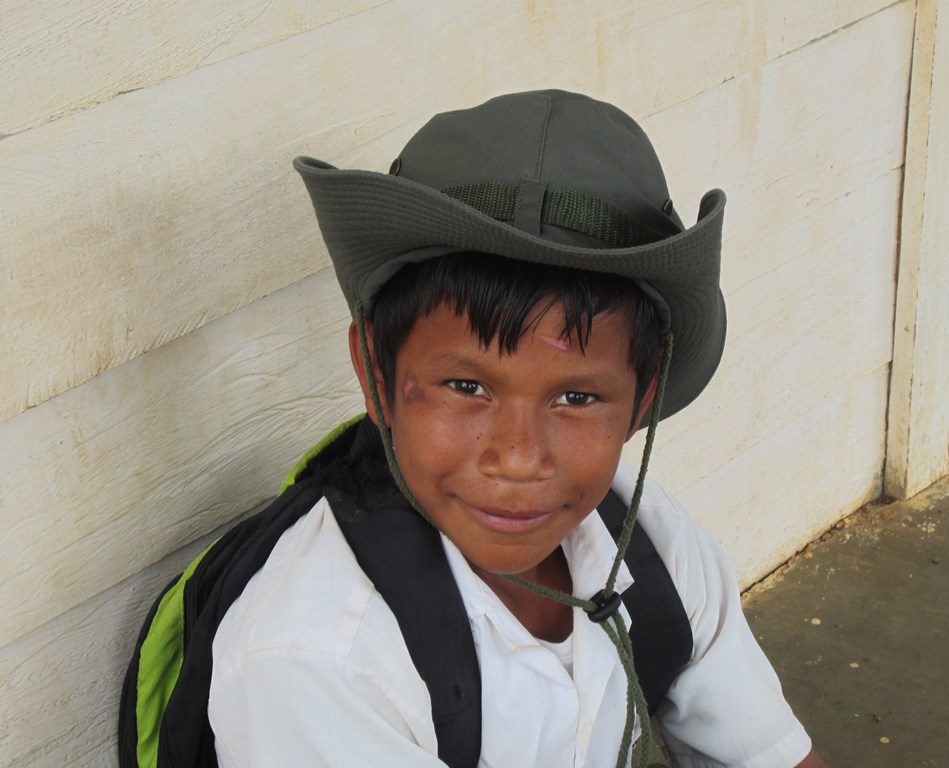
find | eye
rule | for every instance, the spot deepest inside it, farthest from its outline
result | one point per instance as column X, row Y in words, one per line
column 575, row 398
column 467, row 387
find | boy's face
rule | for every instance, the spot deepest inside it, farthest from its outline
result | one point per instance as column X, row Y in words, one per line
column 509, row 452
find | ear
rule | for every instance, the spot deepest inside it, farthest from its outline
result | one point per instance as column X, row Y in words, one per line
column 648, row 396
column 355, row 354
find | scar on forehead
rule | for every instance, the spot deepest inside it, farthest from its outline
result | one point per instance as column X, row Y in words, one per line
column 411, row 391
column 556, row 342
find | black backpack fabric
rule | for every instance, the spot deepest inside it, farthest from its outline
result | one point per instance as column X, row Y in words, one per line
column 163, row 720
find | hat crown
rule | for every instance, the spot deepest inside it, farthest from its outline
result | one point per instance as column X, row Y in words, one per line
column 541, row 141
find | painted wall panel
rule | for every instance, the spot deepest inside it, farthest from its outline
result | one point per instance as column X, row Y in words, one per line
column 113, row 475
column 808, row 271
column 825, row 454
column 60, row 684
column 918, row 439
column 58, row 58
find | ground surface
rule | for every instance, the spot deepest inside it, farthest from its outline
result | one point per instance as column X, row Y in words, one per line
column 857, row 628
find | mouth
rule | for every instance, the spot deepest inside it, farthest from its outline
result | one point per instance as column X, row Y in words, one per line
column 511, row 521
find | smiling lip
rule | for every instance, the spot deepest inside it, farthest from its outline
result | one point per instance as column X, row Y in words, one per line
column 509, row 521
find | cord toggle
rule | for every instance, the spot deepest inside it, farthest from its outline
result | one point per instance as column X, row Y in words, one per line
column 605, row 606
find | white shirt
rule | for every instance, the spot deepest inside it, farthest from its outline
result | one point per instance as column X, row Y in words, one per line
column 310, row 669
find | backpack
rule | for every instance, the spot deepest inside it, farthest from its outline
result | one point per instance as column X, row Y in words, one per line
column 163, row 720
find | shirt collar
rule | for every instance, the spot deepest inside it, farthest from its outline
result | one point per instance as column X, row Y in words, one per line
column 589, row 549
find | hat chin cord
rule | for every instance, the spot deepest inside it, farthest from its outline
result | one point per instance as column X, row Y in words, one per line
column 602, row 608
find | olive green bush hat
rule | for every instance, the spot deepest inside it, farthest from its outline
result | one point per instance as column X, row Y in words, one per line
column 546, row 176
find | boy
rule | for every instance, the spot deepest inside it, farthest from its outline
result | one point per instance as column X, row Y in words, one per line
column 524, row 298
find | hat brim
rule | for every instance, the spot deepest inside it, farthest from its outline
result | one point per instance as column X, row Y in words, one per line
column 374, row 222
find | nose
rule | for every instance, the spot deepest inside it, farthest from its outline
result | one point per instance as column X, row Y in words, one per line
column 517, row 447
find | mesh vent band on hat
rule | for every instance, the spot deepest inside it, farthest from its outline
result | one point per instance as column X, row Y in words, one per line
column 568, row 208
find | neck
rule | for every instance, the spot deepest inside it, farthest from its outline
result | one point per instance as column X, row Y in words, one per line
column 544, row 618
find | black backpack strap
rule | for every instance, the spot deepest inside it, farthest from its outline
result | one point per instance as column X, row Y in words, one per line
column 660, row 630
column 186, row 739
column 404, row 558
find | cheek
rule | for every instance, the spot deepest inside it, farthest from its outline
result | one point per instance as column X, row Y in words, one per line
column 602, row 432
column 590, row 454
column 431, row 442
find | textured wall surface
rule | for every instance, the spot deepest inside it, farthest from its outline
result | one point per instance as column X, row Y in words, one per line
column 918, row 434
column 172, row 337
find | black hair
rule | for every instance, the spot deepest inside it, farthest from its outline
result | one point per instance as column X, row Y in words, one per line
column 503, row 299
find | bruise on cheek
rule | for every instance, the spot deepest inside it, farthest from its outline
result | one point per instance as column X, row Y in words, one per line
column 411, row 390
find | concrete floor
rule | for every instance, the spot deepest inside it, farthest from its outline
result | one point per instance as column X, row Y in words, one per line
column 857, row 628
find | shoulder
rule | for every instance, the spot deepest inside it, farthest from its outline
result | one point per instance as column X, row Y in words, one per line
column 312, row 600
column 728, row 683
column 688, row 551
column 311, row 640
column 699, row 567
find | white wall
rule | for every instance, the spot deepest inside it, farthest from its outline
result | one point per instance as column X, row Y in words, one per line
column 147, row 205
column 918, row 434
column 809, row 147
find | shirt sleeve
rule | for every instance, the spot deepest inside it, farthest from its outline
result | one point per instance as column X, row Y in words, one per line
column 287, row 709
column 726, row 707
column 310, row 668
